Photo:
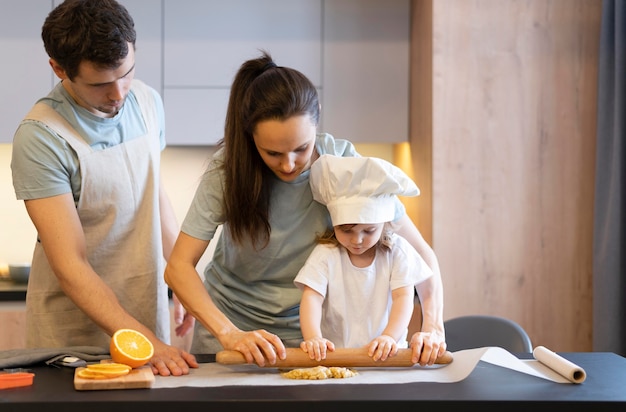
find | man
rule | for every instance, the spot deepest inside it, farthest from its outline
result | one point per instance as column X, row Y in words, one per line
column 86, row 163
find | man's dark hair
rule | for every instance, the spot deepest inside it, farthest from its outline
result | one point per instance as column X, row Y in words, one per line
column 98, row 31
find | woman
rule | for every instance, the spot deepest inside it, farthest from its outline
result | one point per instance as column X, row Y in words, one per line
column 257, row 188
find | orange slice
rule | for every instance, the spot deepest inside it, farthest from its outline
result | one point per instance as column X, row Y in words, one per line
column 109, row 367
column 104, row 371
column 131, row 347
column 89, row 373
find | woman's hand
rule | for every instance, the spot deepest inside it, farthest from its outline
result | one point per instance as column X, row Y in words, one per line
column 382, row 347
column 427, row 347
column 317, row 347
column 258, row 346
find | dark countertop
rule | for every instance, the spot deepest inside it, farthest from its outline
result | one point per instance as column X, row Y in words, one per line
column 487, row 388
column 11, row 291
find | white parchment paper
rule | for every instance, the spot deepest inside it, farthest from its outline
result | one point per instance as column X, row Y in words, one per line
column 214, row 374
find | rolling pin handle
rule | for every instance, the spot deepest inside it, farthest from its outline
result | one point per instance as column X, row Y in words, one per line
column 444, row 359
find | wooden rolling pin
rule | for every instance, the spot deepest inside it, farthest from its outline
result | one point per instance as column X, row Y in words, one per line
column 349, row 358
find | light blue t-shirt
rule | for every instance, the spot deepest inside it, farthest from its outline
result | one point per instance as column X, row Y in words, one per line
column 255, row 289
column 43, row 163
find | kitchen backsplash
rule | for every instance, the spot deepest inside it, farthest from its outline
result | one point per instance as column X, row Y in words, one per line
column 182, row 167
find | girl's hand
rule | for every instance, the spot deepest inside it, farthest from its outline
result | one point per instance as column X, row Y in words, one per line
column 317, row 347
column 382, row 347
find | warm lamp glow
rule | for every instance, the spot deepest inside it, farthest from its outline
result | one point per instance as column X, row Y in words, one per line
column 402, row 159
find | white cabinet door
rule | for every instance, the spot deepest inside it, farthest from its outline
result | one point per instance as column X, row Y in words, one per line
column 355, row 51
column 148, row 18
column 195, row 117
column 205, row 42
column 26, row 74
column 26, row 63
column 366, row 70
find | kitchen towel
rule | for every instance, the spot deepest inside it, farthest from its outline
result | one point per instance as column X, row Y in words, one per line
column 214, row 374
column 22, row 358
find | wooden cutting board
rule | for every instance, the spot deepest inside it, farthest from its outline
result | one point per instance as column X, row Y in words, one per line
column 136, row 379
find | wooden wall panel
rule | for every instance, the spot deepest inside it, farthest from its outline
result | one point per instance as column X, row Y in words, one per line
column 513, row 157
column 421, row 118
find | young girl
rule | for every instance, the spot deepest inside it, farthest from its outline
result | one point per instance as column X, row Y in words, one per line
column 358, row 283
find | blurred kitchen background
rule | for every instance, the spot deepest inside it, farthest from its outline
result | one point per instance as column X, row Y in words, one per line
column 489, row 104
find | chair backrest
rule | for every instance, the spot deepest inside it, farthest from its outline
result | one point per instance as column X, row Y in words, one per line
column 477, row 331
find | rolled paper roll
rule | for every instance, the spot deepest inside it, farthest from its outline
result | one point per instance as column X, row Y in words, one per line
column 559, row 364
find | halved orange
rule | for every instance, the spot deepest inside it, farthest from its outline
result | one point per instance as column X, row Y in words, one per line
column 131, row 348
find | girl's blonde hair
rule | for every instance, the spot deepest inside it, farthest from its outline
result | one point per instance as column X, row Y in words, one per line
column 329, row 238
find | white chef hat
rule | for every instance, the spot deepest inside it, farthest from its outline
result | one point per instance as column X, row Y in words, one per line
column 359, row 189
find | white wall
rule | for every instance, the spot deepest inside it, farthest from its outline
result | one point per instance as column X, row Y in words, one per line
column 17, row 234
column 182, row 167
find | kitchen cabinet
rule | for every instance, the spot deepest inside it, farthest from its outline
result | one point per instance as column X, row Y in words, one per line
column 29, row 76
column 26, row 72
column 356, row 52
column 148, row 15
column 205, row 42
column 366, row 70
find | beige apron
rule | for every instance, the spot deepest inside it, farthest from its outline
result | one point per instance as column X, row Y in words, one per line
column 119, row 212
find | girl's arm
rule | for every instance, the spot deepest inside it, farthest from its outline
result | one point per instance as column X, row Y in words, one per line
column 401, row 311
column 386, row 344
column 310, row 322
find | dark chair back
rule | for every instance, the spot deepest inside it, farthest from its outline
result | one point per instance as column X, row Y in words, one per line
column 477, row 331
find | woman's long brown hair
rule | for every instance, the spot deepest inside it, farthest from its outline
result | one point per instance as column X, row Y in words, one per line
column 261, row 91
